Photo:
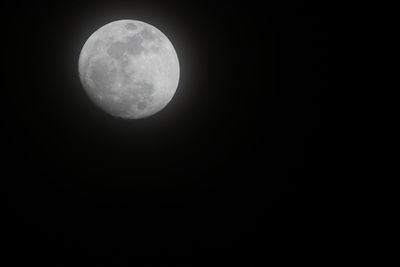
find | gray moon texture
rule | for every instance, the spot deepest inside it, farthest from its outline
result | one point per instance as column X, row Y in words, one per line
column 129, row 69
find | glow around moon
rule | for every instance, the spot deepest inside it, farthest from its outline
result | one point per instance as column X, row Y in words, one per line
column 129, row 69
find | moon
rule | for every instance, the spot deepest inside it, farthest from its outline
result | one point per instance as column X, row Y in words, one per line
column 129, row 69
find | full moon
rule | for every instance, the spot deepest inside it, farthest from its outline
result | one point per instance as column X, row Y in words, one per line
column 129, row 69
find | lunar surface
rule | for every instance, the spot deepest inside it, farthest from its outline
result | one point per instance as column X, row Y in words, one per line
column 129, row 69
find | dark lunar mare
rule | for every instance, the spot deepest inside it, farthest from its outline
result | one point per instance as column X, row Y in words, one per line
column 102, row 75
column 132, row 46
column 131, row 26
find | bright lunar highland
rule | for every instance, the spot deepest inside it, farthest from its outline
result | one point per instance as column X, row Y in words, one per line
column 129, row 69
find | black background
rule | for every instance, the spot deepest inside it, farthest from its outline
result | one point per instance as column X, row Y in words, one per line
column 230, row 172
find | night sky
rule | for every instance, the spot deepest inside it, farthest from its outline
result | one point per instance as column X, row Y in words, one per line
column 231, row 172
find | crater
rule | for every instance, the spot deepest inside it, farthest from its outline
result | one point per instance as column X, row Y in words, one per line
column 124, row 62
column 141, row 105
